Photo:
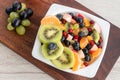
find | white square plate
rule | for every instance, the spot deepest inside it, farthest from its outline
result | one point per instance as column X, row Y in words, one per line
column 89, row 71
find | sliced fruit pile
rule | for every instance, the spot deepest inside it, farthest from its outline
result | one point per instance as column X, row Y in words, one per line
column 70, row 40
column 18, row 17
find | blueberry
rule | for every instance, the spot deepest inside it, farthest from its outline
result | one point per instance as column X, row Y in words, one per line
column 81, row 34
column 23, row 15
column 16, row 22
column 9, row 10
column 63, row 38
column 87, row 58
column 81, row 25
column 17, row 6
column 52, row 46
column 79, row 20
column 90, row 32
column 71, row 14
column 67, row 43
column 76, row 46
column 59, row 16
column 85, row 50
column 29, row 12
column 88, row 46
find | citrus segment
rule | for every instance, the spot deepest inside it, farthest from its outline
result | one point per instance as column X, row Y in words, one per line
column 52, row 20
column 83, row 42
column 77, row 62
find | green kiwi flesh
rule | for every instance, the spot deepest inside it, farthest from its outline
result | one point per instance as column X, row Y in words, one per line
column 49, row 33
column 96, row 36
column 64, row 61
column 52, row 54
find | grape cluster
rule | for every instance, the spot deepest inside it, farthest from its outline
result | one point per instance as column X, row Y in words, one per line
column 18, row 17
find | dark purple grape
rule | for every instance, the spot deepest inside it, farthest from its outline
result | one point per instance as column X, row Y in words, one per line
column 29, row 12
column 23, row 15
column 17, row 6
column 16, row 22
column 9, row 10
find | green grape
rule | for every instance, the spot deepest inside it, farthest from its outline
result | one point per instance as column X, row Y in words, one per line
column 76, row 26
column 9, row 20
column 23, row 7
column 13, row 15
column 26, row 22
column 20, row 30
column 10, row 27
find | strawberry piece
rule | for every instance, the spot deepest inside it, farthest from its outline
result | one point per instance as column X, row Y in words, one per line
column 67, row 17
column 86, row 63
column 65, row 34
column 92, row 22
column 93, row 49
column 92, row 42
column 69, row 38
column 70, row 30
column 101, row 40
column 80, row 15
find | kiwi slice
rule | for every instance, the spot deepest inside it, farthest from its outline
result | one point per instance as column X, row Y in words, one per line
column 64, row 61
column 49, row 33
column 67, row 26
column 96, row 36
column 52, row 54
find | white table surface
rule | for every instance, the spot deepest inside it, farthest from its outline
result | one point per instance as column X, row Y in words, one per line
column 14, row 67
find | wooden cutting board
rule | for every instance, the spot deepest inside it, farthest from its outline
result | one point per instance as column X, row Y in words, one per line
column 23, row 45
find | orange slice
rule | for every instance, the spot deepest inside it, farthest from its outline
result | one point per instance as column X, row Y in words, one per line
column 52, row 20
column 77, row 63
column 96, row 53
column 83, row 42
column 89, row 38
column 76, row 31
column 87, row 23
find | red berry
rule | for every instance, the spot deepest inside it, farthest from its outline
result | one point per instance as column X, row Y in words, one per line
column 65, row 34
column 92, row 22
column 76, row 37
column 63, row 21
column 79, row 15
column 99, row 46
column 89, row 29
column 86, row 63
column 92, row 42
column 74, row 50
column 70, row 30
column 74, row 17
column 101, row 40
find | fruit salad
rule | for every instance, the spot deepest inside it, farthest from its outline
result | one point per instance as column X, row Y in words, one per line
column 70, row 40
